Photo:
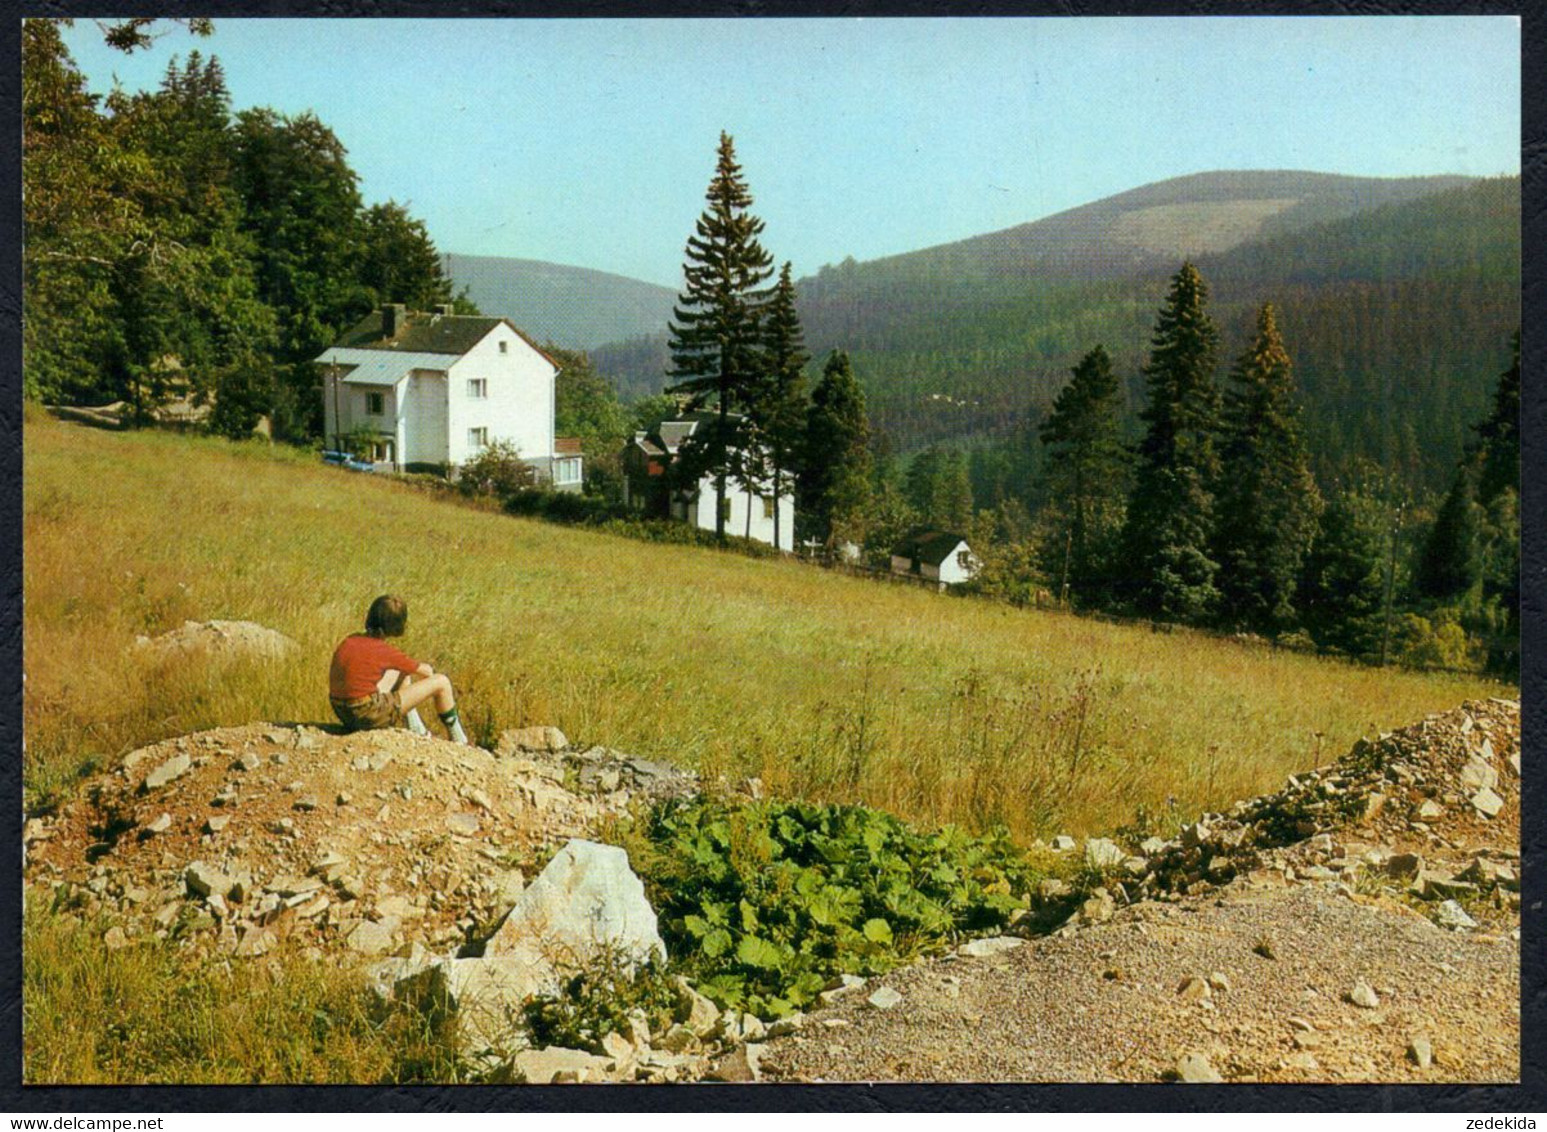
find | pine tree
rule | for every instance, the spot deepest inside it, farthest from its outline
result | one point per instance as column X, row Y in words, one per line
column 834, row 483
column 778, row 410
column 1342, row 589
column 1499, row 435
column 1267, row 500
column 1170, row 521
column 716, row 327
column 1450, row 565
column 1086, row 469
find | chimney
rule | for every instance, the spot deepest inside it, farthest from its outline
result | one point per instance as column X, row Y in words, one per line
column 443, row 309
column 394, row 317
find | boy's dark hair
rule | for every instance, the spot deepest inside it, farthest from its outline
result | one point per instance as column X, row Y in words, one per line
column 388, row 616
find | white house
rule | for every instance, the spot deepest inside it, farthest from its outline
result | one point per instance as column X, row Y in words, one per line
column 936, row 556
column 749, row 509
column 435, row 388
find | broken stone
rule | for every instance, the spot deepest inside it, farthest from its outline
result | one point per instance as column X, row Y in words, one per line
column 369, row 938
column 993, row 945
column 172, row 769
column 548, row 1066
column 216, row 823
column 1487, row 803
column 531, row 739
column 1193, row 989
column 160, row 825
column 1451, row 915
column 1430, row 811
column 885, row 998
column 1421, row 1050
column 1363, row 995
column 463, row 824
column 1101, row 853
column 742, row 1064
column 1478, row 775
column 206, row 880
column 1098, row 908
column 306, row 803
column 1062, row 843
column 586, row 902
column 115, row 938
column 1404, row 865
column 1195, row 1068
column 1219, row 981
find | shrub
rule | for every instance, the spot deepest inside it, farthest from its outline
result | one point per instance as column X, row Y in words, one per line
column 598, row 1001
column 767, row 902
column 497, row 470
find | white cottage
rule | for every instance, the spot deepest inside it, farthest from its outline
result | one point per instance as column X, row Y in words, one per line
column 749, row 509
column 435, row 388
column 935, row 556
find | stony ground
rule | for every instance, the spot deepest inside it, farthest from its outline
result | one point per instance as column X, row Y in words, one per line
column 1361, row 924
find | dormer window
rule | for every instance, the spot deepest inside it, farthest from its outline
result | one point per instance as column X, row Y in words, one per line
column 478, row 388
column 375, row 404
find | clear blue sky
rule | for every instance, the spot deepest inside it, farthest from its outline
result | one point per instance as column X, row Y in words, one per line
column 590, row 142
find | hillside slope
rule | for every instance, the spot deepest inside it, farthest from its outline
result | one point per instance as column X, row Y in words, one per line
column 574, row 307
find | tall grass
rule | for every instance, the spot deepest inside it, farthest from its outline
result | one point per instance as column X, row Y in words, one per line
column 829, row 687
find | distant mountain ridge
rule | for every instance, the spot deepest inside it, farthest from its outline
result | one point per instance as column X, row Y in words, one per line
column 575, row 307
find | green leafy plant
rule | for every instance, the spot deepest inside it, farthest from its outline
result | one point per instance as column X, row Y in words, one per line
column 766, row 903
column 597, row 1001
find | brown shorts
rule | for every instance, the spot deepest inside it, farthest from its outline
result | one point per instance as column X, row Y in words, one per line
column 377, row 710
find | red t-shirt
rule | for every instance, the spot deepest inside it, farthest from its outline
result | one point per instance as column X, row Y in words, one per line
column 358, row 664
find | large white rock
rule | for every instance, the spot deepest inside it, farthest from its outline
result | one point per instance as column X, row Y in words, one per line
column 485, row 995
column 586, row 904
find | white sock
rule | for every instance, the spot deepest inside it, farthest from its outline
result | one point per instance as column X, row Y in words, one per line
column 415, row 724
column 457, row 734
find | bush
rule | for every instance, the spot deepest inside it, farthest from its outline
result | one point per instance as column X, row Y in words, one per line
column 1440, row 643
column 598, row 1001
column 767, row 902
column 498, row 470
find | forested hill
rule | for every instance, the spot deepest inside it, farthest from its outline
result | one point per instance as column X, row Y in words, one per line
column 573, row 306
column 1397, row 314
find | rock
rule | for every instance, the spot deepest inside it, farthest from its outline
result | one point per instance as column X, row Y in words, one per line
column 169, row 771
column 695, row 1011
column 1062, row 843
column 742, row 1064
column 1099, row 908
column 619, row 1048
column 307, row 803
column 206, row 880
column 160, row 825
column 369, row 938
column 548, row 1066
column 1195, row 835
column 885, row 998
column 1451, row 915
column 256, row 941
column 1151, row 846
column 993, row 945
column 1478, row 775
column 1101, row 853
column 1363, row 995
column 248, row 761
column 784, row 1027
column 1487, row 803
column 530, row 739
column 216, row 823
column 1421, row 1050
column 114, row 938
column 1219, row 981
column 1195, row 1068
column 485, row 994
column 1052, row 888
column 329, row 866
column 1194, row 989
column 1430, row 811
column 587, row 902
column 224, row 639
column 1301, row 1060
column 1514, row 763
column 463, row 824
column 1437, row 887
column 1404, row 865
column 678, row 1038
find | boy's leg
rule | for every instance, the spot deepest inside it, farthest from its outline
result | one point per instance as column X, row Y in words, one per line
column 437, row 687
column 392, row 682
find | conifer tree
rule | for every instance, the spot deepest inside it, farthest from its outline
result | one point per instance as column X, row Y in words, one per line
column 778, row 411
column 1499, row 435
column 1449, row 566
column 1086, row 468
column 1170, row 522
column 716, row 328
column 834, row 482
column 1341, row 591
column 1267, row 500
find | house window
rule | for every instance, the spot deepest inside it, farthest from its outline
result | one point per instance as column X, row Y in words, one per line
column 477, row 438
column 504, row 347
column 768, row 507
column 566, row 471
column 375, row 404
column 478, row 388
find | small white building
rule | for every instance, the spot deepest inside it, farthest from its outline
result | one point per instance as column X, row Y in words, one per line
column 435, row 388
column 935, row 556
column 749, row 509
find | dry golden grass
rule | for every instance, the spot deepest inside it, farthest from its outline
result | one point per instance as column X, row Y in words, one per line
column 835, row 688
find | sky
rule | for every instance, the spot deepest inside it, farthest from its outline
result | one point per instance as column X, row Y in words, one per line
column 591, row 142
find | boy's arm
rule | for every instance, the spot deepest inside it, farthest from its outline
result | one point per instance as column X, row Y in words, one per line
column 425, row 670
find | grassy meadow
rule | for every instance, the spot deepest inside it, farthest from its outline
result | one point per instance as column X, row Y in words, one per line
column 833, row 688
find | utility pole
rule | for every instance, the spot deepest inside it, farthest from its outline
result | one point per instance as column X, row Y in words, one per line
column 338, row 444
column 1063, row 589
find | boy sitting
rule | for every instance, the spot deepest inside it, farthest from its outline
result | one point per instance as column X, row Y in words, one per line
column 371, row 684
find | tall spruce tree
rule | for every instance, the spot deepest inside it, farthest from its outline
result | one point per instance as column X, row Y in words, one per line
column 716, row 327
column 1343, row 585
column 834, row 482
column 1449, row 565
column 778, row 410
column 1085, row 474
column 1170, row 522
column 1267, row 500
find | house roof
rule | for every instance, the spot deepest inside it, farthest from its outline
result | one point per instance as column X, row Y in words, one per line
column 928, row 545
column 648, row 446
column 382, row 367
column 566, row 446
column 427, row 333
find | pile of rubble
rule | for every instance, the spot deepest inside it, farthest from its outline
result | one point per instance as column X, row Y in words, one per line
column 240, row 839
column 1434, row 807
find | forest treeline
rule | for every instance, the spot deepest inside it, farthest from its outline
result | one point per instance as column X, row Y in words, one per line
column 172, row 246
